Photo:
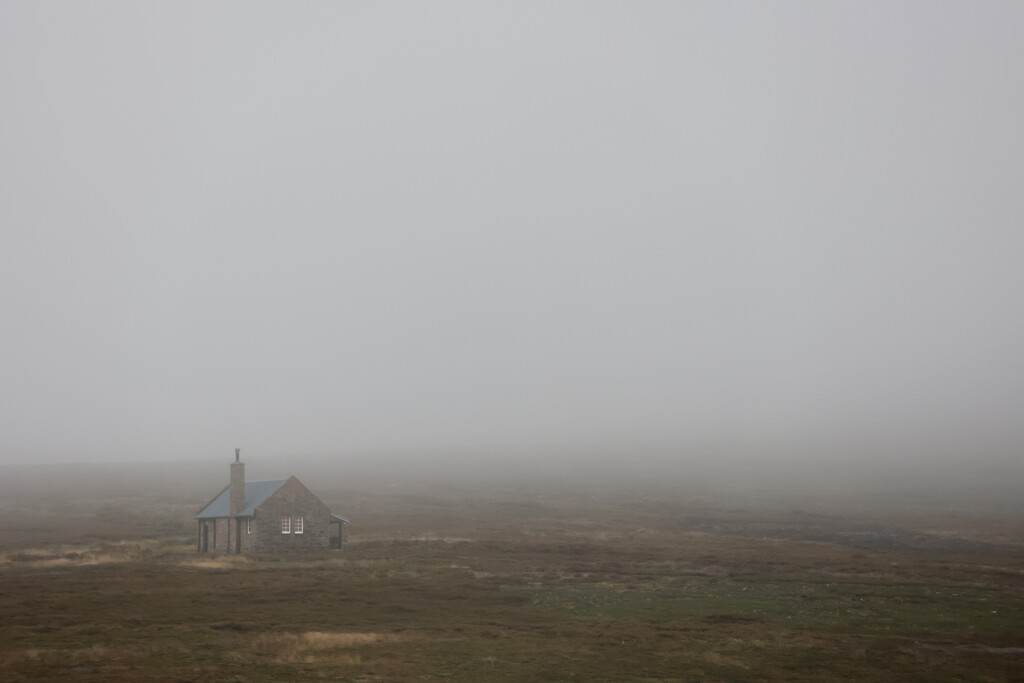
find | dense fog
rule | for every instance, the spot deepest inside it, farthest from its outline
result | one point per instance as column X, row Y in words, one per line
column 599, row 233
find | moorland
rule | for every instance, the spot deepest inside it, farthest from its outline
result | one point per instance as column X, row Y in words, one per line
column 506, row 573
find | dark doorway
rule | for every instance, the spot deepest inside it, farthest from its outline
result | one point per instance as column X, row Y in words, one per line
column 206, row 537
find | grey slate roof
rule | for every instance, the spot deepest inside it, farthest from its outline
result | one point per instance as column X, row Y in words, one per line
column 339, row 518
column 255, row 493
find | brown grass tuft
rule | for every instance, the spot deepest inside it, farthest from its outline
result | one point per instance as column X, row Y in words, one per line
column 320, row 640
column 316, row 646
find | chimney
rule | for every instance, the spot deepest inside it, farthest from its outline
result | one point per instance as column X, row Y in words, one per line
column 236, row 492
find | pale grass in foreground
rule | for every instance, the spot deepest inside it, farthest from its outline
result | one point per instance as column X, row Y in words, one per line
column 314, row 646
column 161, row 550
column 83, row 555
column 69, row 656
column 215, row 562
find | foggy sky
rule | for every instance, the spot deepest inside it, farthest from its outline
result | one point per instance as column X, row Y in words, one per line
column 334, row 226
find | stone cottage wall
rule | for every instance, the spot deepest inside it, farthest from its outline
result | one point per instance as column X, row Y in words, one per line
column 218, row 535
column 223, row 541
column 294, row 500
column 221, row 536
column 248, row 538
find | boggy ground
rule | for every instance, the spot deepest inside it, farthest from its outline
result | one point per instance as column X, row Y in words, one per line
column 493, row 586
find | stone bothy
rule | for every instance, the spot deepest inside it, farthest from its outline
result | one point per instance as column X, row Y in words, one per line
column 254, row 517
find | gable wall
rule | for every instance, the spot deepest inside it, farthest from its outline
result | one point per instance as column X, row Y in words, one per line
column 294, row 500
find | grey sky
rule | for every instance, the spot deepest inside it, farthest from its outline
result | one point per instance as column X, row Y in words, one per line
column 332, row 226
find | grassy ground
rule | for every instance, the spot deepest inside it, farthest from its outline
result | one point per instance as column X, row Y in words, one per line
column 508, row 586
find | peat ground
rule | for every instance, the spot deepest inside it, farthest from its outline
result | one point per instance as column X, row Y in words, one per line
column 488, row 584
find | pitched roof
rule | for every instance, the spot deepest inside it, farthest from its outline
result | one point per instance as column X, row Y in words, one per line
column 256, row 492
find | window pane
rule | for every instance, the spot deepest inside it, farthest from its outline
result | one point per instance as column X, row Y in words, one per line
column 298, row 525
column 286, row 525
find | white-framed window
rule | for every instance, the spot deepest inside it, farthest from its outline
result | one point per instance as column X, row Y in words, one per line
column 298, row 525
column 248, row 525
column 286, row 525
